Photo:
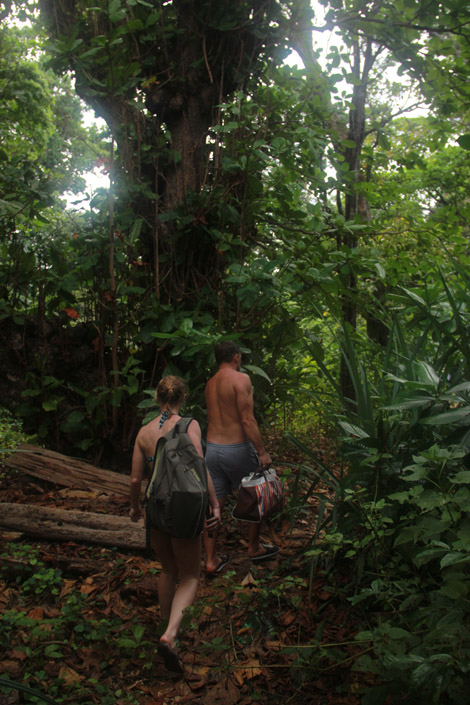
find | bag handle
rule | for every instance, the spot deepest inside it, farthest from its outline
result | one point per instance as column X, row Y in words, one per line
column 261, row 471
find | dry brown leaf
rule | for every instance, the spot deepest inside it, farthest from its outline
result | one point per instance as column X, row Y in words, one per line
column 36, row 613
column 11, row 667
column 88, row 586
column 156, row 565
column 242, row 630
column 20, row 655
column 68, row 675
column 287, row 618
column 107, row 595
column 198, row 678
column 248, row 580
column 5, row 594
column 224, row 693
column 51, row 612
column 67, row 587
column 200, row 671
column 323, row 595
column 52, row 669
column 247, row 670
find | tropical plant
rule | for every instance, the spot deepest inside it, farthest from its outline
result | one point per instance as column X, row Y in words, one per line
column 400, row 523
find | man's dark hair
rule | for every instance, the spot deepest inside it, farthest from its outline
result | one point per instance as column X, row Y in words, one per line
column 225, row 351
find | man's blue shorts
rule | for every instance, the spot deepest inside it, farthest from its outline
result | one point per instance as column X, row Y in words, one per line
column 229, row 463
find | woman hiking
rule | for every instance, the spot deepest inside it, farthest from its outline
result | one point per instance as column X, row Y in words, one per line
column 180, row 557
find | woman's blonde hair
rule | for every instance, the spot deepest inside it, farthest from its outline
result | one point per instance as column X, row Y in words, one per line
column 170, row 390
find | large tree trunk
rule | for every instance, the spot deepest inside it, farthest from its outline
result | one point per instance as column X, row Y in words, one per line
column 49, row 524
column 157, row 73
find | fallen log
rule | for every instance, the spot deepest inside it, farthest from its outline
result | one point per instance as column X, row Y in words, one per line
column 51, row 524
column 62, row 470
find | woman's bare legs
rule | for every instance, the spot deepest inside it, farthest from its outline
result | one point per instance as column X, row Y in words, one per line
column 180, row 558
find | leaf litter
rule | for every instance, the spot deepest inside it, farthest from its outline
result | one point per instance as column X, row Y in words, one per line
column 256, row 633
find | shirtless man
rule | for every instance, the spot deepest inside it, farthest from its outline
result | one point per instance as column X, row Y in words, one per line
column 234, row 445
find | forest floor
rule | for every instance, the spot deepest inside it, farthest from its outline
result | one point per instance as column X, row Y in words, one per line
column 258, row 633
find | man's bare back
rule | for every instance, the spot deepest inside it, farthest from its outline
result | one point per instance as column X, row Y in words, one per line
column 225, row 395
column 230, row 409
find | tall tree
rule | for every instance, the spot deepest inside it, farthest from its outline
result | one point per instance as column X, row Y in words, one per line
column 158, row 72
column 427, row 42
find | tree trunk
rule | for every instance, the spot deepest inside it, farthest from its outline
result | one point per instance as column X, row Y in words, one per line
column 355, row 203
column 69, row 472
column 192, row 55
column 49, row 524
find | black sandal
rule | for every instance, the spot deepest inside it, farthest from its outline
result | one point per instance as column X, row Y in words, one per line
column 224, row 560
column 269, row 552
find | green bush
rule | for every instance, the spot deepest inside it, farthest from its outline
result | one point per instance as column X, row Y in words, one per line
column 400, row 527
column 11, row 433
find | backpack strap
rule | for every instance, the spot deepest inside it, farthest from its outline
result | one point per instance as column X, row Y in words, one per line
column 178, row 427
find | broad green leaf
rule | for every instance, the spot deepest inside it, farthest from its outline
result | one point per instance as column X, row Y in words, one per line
column 353, row 430
column 165, row 336
column 76, row 416
column 126, row 643
column 454, row 558
column 463, row 387
column 415, row 297
column 116, row 397
column 462, row 477
column 464, row 141
column 186, row 325
column 50, row 404
column 449, row 417
column 429, row 500
column 257, row 371
column 411, row 403
column 428, row 555
column 428, row 374
column 455, row 589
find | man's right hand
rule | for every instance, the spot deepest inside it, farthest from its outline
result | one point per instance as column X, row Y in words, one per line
column 265, row 460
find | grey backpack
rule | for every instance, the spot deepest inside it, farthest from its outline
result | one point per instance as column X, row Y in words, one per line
column 177, row 497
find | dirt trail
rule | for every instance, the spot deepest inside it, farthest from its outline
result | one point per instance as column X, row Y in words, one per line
column 257, row 633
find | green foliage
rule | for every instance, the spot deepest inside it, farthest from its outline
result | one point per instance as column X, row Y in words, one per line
column 11, row 433
column 412, row 549
column 42, row 640
column 44, row 147
column 400, row 526
column 45, row 582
